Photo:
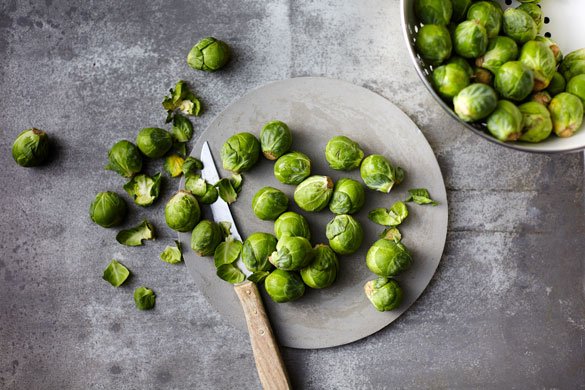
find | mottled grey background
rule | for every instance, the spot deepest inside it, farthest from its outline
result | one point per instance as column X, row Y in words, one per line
column 506, row 308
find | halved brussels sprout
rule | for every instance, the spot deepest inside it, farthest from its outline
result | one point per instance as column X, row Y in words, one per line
column 475, row 102
column 449, row 80
column 433, row 11
column 154, row 142
column 519, row 26
column 499, row 51
column 537, row 124
column 283, row 286
column 30, row 148
column 539, row 58
column 505, row 123
column 144, row 189
column 348, row 197
column 576, row 86
column 269, row 203
column 205, row 238
column 275, row 139
column 433, row 43
column 535, row 13
column 292, row 253
column 240, row 152
column 460, row 8
column 314, row 193
column 258, row 247
column 573, row 64
column 384, row 294
column 541, row 97
column 321, row 273
column 136, row 235
column 566, row 111
column 292, row 168
column 378, row 174
column 291, row 224
column 553, row 46
column 182, row 212
column 388, row 258
column 557, row 85
column 514, row 81
column 488, row 14
column 471, row 39
column 343, row 154
column 345, row 234
column 209, row 54
column 108, row 209
column 463, row 63
column 124, row 159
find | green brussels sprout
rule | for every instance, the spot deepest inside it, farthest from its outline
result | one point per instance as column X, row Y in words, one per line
column 348, row 197
column 482, row 76
column 205, row 238
column 292, row 168
column 343, row 154
column 115, row 273
column 460, row 8
column 124, row 159
column 240, row 152
column 283, row 286
column 519, row 26
column 144, row 298
column 209, row 54
column 384, row 294
column 108, row 209
column 576, row 86
column 470, row 39
column 539, row 58
column 136, row 235
column 566, row 111
column 321, row 273
column 488, row 14
column 553, row 46
column 291, row 224
column 505, row 123
column 541, row 97
column 257, row 249
column 462, row 62
column 388, row 258
column 475, row 102
column 499, row 51
column 345, row 234
column 573, row 64
column 449, row 80
column 144, row 189
column 433, row 43
column 537, row 123
column 182, row 212
column 275, row 139
column 30, row 148
column 292, row 253
column 379, row 175
column 314, row 193
column 269, row 203
column 514, row 81
column 433, row 11
column 535, row 13
column 557, row 85
column 154, row 142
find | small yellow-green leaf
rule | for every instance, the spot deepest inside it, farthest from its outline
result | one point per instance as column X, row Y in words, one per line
column 115, row 273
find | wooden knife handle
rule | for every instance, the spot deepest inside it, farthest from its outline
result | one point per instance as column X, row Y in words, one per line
column 269, row 363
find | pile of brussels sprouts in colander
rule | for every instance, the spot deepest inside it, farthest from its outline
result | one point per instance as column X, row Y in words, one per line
column 493, row 68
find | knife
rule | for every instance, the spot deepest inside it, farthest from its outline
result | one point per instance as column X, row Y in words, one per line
column 271, row 369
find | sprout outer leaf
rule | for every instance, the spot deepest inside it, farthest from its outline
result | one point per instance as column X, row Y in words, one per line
column 136, row 235
column 115, row 273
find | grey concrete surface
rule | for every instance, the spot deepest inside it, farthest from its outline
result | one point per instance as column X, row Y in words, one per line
column 506, row 308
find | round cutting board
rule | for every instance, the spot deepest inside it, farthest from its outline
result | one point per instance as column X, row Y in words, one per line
column 317, row 109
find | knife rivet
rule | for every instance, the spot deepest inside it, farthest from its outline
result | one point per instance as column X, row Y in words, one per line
column 248, row 292
column 261, row 332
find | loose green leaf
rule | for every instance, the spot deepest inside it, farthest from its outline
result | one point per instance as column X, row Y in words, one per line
column 225, row 228
column 135, row 235
column 182, row 129
column 115, row 273
column 380, row 216
column 180, row 148
column 183, row 99
column 174, row 165
column 172, row 254
column 144, row 189
column 191, row 105
column 144, row 298
column 196, row 185
column 392, row 234
column 230, row 273
column 191, row 166
column 398, row 213
column 226, row 190
column 237, row 181
column 420, row 196
column 210, row 196
column 259, row 276
column 227, row 252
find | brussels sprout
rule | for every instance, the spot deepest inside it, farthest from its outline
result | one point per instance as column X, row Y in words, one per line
column 144, row 189
column 107, row 209
column 154, row 142
column 576, row 86
column 205, row 238
column 174, row 165
column 573, row 64
column 449, row 80
column 314, row 193
column 378, row 174
column 475, row 102
column 537, row 124
column 124, row 159
column 557, row 85
column 191, row 165
column 269, row 203
column 566, row 111
column 505, row 123
column 275, row 139
column 209, row 54
column 292, row 168
column 345, row 234
column 553, row 46
column 348, row 197
column 240, row 152
column 539, row 58
column 499, row 51
column 343, row 154
column 115, row 273
column 182, row 212
column 460, row 8
column 433, row 11
column 388, row 258
column 291, row 224
column 183, row 99
column 433, row 43
column 227, row 252
column 384, row 294
column 144, row 298
column 519, row 26
column 321, row 273
column 292, row 253
column 470, row 39
column 30, row 148
column 535, row 13
column 257, row 249
column 283, row 286
column 488, row 14
column 136, row 235
column 541, row 97
column 420, row 196
column 483, row 76
column 182, row 129
column 463, row 63
column 230, row 273
column 389, row 217
column 514, row 81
